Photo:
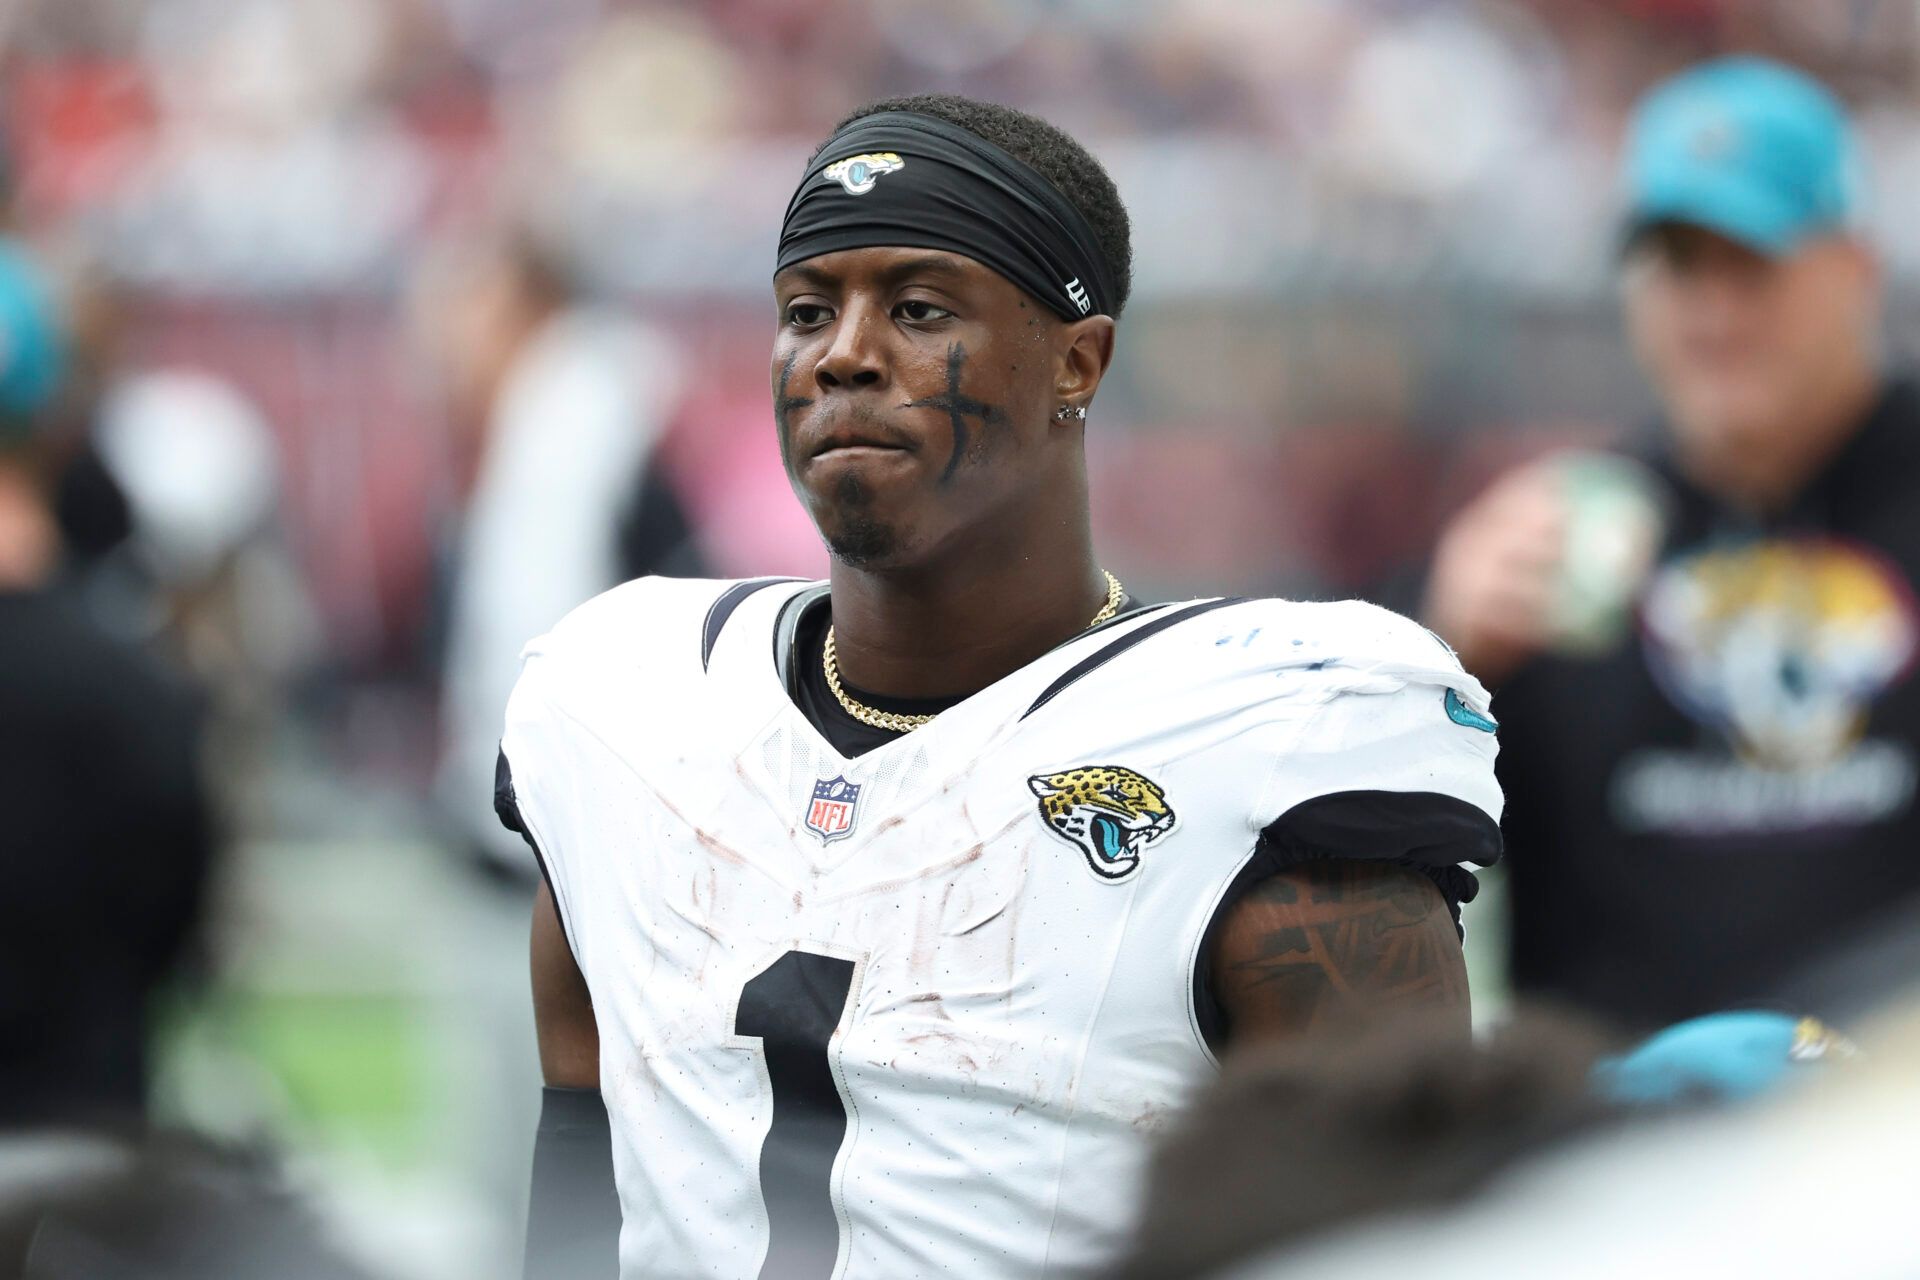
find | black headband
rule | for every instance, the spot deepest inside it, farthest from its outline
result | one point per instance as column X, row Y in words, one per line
column 904, row 179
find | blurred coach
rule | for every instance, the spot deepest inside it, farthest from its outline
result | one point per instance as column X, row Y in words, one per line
column 1703, row 801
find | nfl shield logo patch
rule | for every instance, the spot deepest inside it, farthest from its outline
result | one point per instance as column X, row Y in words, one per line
column 835, row 805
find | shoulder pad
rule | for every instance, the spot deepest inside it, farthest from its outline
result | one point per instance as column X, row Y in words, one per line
column 638, row 618
column 1355, row 644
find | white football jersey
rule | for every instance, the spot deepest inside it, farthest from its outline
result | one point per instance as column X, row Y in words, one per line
column 917, row 1013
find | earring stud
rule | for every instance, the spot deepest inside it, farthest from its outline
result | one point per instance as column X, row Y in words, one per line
column 1071, row 413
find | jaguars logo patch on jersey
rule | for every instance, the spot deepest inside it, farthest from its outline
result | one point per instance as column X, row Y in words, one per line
column 1108, row 813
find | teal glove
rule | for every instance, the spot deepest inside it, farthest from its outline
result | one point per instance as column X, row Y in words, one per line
column 1723, row 1057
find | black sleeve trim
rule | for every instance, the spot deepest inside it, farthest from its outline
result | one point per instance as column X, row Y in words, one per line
column 573, row 1214
column 506, row 806
column 1100, row 657
column 722, row 609
column 1424, row 830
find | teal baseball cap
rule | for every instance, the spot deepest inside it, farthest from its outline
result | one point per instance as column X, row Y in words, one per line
column 1754, row 150
column 32, row 348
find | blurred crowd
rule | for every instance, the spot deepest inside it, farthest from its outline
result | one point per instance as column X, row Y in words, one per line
column 381, row 332
column 269, row 181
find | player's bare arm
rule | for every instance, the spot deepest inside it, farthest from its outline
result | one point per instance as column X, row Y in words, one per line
column 562, row 1008
column 1337, row 942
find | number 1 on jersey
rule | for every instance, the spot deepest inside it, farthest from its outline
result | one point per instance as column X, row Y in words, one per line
column 793, row 1005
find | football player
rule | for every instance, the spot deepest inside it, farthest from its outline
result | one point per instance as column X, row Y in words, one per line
column 887, row 917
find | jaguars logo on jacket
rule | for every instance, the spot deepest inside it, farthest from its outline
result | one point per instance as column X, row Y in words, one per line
column 1107, row 812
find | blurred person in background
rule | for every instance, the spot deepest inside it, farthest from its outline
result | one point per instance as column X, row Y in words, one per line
column 203, row 570
column 1296, row 1142
column 95, row 518
column 559, row 408
column 167, row 485
column 1701, row 802
column 1513, row 1160
column 168, row 497
column 88, row 1206
column 108, row 827
column 1393, row 1132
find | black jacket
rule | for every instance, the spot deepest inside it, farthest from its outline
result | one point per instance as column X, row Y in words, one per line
column 1729, row 792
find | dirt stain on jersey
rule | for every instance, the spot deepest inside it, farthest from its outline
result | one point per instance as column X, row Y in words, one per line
column 900, row 882
column 954, row 1048
column 713, row 846
column 1011, row 918
column 938, row 1001
column 707, row 839
column 926, row 939
column 644, row 1073
column 713, row 938
column 698, row 916
column 712, row 843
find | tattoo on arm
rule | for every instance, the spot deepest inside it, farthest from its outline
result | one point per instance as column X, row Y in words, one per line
column 1337, row 942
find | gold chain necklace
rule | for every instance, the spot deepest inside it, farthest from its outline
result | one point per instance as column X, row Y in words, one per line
column 897, row 723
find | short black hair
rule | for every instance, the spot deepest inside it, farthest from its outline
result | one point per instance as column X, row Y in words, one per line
column 1048, row 151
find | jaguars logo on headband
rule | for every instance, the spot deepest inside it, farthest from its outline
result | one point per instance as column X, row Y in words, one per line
column 1107, row 812
column 858, row 173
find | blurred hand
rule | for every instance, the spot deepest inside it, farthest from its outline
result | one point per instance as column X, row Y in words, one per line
column 1496, row 570
column 29, row 541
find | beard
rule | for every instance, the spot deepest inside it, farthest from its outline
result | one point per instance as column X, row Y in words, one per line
column 857, row 538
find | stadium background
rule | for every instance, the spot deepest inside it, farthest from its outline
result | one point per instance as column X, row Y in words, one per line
column 1373, row 248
